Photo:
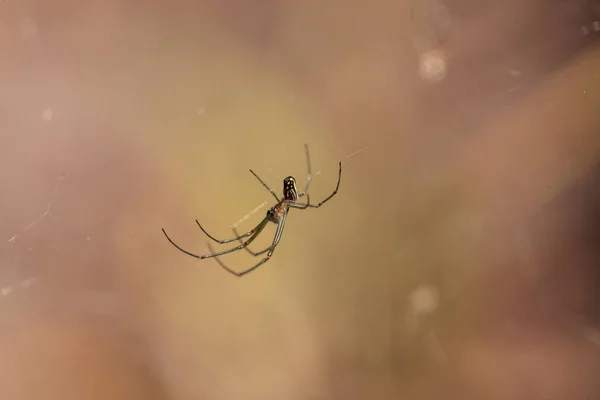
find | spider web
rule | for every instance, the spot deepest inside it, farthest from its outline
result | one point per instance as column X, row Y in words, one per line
column 40, row 217
column 6, row 290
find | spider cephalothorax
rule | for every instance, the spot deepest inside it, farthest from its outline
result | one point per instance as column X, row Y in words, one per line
column 276, row 214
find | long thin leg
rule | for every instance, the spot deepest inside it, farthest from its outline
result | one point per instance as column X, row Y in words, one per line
column 309, row 178
column 271, row 249
column 248, row 249
column 257, row 230
column 266, row 186
column 238, row 237
column 291, row 204
column 241, row 246
column 332, row 194
column 300, row 206
column 179, row 248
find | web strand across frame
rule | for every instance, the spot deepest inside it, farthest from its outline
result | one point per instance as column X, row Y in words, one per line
column 7, row 290
column 40, row 217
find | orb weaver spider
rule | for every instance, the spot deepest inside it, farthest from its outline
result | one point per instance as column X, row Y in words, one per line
column 276, row 214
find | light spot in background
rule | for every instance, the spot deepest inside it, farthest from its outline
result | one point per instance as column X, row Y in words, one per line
column 593, row 27
column 515, row 73
column 432, row 67
column 201, row 110
column 24, row 284
column 47, row 114
column 422, row 302
column 424, row 299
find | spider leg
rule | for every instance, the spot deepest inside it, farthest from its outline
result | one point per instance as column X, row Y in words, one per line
column 266, row 186
column 235, row 232
column 300, row 206
column 270, row 249
column 332, row 194
column 179, row 248
column 259, row 229
column 309, row 178
column 291, row 204
column 247, row 248
column 238, row 236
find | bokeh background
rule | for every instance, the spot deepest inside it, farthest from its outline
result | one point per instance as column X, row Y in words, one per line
column 459, row 260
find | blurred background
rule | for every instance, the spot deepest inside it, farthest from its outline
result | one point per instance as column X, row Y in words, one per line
column 460, row 259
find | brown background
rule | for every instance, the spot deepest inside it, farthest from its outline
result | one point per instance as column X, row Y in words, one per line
column 458, row 260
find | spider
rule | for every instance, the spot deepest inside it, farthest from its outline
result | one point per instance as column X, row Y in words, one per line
column 276, row 214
